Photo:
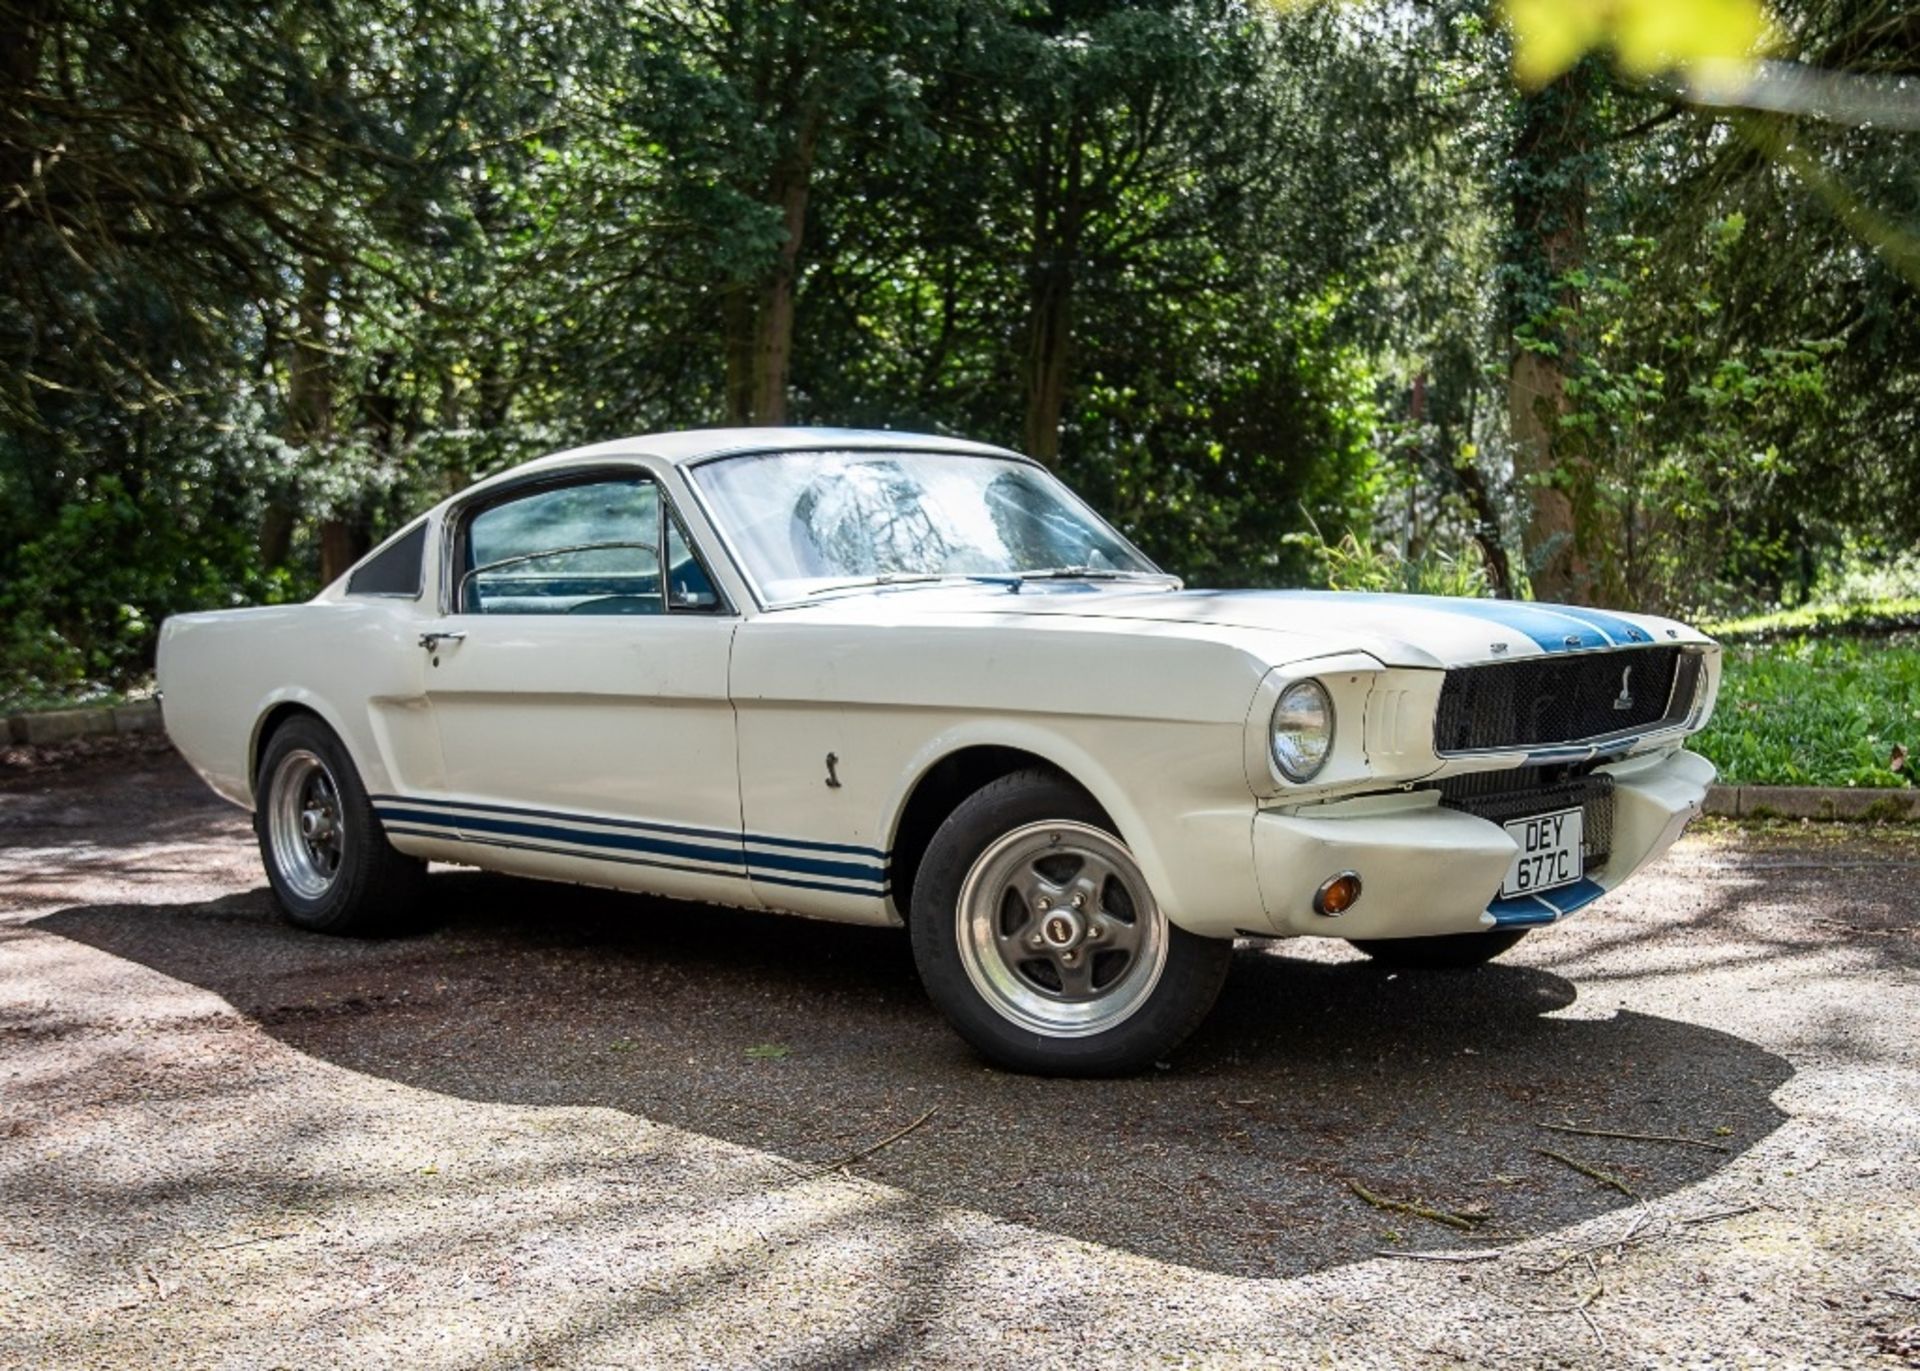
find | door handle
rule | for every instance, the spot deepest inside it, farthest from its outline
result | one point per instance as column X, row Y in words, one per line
column 431, row 641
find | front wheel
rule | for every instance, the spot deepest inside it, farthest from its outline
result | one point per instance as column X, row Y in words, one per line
column 327, row 857
column 1036, row 935
column 1447, row 952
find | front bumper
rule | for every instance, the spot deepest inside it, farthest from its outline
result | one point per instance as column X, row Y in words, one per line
column 1426, row 870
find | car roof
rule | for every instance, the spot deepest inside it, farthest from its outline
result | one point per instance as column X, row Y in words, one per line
column 689, row 446
column 694, row 445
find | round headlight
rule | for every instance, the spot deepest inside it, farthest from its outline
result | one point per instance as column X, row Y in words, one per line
column 1302, row 730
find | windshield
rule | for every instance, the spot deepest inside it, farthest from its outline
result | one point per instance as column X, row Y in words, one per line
column 808, row 522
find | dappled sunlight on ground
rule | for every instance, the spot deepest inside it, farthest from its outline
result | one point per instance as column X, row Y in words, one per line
column 533, row 1132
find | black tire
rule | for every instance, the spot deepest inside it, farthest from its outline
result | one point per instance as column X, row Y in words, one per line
column 370, row 888
column 1448, row 952
column 1165, row 1010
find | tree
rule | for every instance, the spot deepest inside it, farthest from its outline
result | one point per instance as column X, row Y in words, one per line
column 1549, row 176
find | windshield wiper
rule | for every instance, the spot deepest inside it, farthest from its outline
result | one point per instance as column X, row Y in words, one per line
column 885, row 578
column 1016, row 579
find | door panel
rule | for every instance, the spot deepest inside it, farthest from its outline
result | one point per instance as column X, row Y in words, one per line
column 607, row 737
column 577, row 711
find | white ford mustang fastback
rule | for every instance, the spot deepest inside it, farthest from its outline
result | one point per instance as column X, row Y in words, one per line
column 886, row 679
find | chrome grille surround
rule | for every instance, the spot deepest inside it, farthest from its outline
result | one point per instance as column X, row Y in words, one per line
column 1565, row 699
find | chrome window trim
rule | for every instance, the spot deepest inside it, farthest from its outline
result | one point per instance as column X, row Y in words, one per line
column 453, row 526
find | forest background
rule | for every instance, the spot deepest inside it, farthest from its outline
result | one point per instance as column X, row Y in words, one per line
column 1573, row 301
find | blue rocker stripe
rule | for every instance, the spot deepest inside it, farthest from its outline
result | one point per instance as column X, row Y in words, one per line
column 642, row 825
column 814, row 866
column 624, row 842
column 762, row 878
column 567, row 834
column 623, row 860
column 1549, row 906
column 730, row 855
column 423, row 832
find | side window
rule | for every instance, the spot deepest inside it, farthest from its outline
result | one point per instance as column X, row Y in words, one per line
column 689, row 588
column 589, row 548
column 396, row 570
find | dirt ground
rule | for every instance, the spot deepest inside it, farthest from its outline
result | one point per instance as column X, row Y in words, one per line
column 561, row 1127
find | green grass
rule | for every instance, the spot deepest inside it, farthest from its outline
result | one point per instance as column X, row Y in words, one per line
column 1870, row 617
column 1817, row 711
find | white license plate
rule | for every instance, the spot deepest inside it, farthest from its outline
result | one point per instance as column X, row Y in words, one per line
column 1549, row 854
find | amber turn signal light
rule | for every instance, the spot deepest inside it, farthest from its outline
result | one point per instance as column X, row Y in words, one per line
column 1337, row 894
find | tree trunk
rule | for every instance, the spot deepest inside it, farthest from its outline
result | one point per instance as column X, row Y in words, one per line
column 1050, row 273
column 1486, row 529
column 1049, row 339
column 276, row 534
column 341, row 545
column 1549, row 178
column 773, row 334
column 310, row 386
column 759, row 316
column 737, row 323
column 1536, row 402
column 23, row 28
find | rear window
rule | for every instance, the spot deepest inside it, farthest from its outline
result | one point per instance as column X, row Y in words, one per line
column 395, row 569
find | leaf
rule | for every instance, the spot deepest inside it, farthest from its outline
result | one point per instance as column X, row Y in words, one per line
column 768, row 1052
column 1652, row 36
column 1648, row 37
column 1549, row 36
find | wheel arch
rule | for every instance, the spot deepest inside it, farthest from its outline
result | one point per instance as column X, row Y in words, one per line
column 275, row 715
column 949, row 774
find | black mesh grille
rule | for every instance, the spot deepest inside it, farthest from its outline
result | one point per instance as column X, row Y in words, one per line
column 1501, row 796
column 1545, row 701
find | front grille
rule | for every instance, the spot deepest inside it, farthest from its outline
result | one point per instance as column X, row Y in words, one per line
column 1502, row 796
column 1548, row 701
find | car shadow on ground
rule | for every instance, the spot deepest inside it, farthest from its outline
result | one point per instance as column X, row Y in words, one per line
column 814, row 1040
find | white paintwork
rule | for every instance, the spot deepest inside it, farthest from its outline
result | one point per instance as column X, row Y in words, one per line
column 709, row 734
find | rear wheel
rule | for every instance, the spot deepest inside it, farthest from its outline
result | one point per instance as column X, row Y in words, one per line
column 1036, row 935
column 327, row 858
column 1448, row 952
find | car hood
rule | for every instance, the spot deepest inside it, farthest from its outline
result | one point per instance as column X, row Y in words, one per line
column 1398, row 630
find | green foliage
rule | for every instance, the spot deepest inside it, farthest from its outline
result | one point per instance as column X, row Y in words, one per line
column 1357, row 563
column 274, row 275
column 1817, row 711
column 1869, row 572
column 85, row 595
column 1240, row 431
column 1862, row 617
column 1697, row 434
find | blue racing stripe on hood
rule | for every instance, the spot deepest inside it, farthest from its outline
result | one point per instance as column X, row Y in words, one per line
column 1612, row 625
column 1548, row 627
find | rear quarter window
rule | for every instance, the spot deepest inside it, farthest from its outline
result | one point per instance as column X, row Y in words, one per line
column 395, row 569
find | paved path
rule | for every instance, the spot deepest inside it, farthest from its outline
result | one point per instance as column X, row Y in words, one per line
column 570, row 1128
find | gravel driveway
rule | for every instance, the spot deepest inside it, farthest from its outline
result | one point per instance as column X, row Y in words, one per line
column 561, row 1127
